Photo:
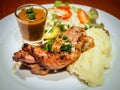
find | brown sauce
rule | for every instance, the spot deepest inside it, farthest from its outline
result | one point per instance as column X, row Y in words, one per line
column 32, row 30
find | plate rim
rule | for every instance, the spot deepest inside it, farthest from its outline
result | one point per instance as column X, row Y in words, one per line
column 75, row 5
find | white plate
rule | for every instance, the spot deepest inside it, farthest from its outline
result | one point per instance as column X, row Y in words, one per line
column 24, row 80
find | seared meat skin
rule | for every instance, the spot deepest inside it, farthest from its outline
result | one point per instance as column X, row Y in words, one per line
column 23, row 57
column 38, row 58
column 55, row 60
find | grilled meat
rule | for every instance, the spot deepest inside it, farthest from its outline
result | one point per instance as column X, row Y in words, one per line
column 41, row 61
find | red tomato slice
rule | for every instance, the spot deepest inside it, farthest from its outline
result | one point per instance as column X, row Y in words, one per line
column 63, row 12
column 82, row 16
column 63, row 7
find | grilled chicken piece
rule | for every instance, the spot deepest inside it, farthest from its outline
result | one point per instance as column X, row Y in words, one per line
column 36, row 57
column 23, row 57
column 56, row 60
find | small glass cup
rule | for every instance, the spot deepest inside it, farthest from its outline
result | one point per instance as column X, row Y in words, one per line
column 31, row 20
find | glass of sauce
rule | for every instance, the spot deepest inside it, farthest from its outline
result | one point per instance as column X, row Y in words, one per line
column 31, row 20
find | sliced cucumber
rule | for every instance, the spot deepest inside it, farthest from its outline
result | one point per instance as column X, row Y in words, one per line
column 93, row 14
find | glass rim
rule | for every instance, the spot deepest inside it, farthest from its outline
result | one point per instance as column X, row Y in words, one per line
column 31, row 4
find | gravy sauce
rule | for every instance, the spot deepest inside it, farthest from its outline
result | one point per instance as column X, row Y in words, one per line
column 32, row 30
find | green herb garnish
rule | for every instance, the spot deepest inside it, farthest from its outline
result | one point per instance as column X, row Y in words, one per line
column 66, row 47
column 48, row 46
column 30, row 13
column 65, row 37
column 60, row 35
column 93, row 15
column 63, row 27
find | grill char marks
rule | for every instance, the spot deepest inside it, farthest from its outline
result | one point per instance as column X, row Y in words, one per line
column 41, row 61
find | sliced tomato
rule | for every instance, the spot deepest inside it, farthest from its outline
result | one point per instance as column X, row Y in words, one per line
column 82, row 16
column 63, row 12
column 63, row 7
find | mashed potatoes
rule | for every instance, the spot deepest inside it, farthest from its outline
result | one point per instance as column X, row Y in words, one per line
column 92, row 63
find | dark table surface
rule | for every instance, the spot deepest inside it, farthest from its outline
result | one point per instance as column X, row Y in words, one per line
column 111, row 6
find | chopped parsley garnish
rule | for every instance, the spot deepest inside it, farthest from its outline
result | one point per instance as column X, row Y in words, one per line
column 30, row 13
column 66, row 47
column 48, row 46
column 65, row 37
column 63, row 27
column 60, row 35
